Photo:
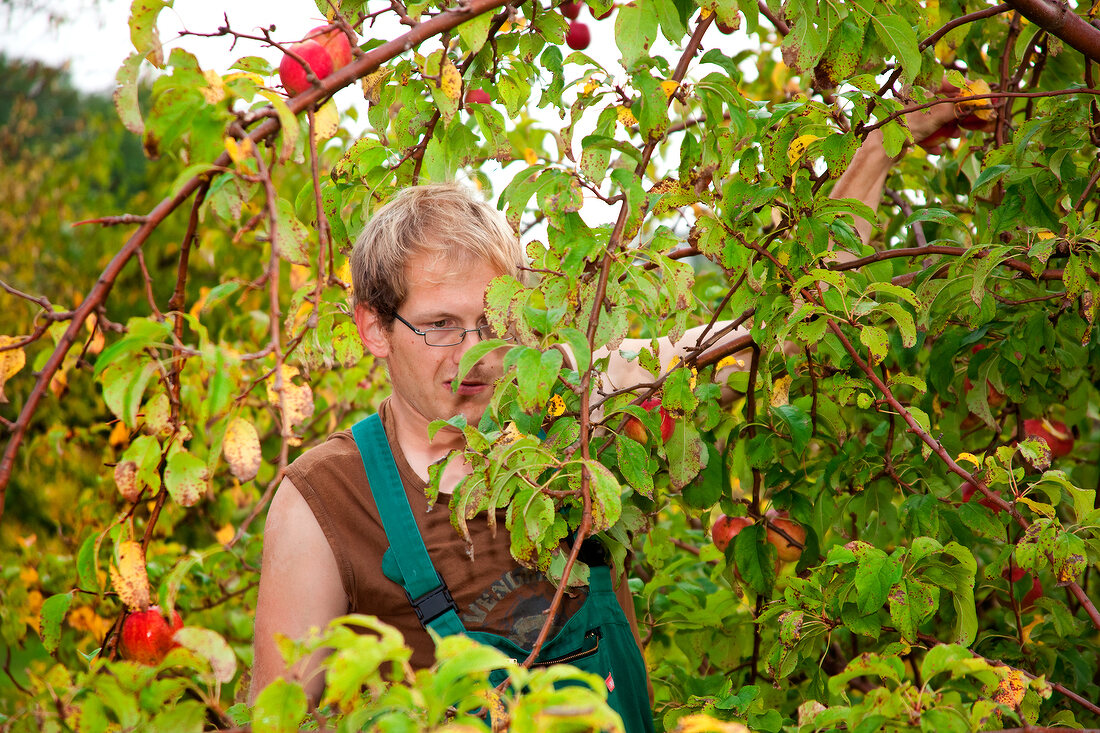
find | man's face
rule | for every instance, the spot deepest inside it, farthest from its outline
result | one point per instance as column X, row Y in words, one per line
column 441, row 294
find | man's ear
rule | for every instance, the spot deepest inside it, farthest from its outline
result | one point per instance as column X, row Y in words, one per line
column 372, row 331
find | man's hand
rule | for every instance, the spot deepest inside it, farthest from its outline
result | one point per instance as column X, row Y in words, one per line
column 934, row 126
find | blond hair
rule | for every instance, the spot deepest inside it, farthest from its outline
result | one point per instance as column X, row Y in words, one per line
column 443, row 220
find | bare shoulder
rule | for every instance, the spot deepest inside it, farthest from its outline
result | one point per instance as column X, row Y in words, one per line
column 300, row 588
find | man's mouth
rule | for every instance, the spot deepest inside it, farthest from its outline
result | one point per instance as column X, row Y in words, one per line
column 468, row 386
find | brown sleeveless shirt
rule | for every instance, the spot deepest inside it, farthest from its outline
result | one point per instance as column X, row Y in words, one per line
column 492, row 591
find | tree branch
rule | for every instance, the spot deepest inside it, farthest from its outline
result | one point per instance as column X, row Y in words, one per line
column 1058, row 19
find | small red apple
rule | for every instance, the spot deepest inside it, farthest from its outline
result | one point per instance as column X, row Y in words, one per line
column 147, row 635
column 335, row 41
column 570, row 10
column 635, row 430
column 1055, row 433
column 725, row 28
column 725, row 529
column 578, row 36
column 478, row 96
column 787, row 551
column 293, row 75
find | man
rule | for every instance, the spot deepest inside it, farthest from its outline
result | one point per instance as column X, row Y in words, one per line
column 420, row 269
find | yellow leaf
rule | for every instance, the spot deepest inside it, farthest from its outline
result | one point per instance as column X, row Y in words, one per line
column 590, row 86
column 238, row 151
column 729, row 361
column 970, row 458
column 120, row 435
column 530, row 156
column 326, row 121
column 510, row 435
column 298, row 398
column 214, row 91
column 158, row 415
column 450, row 80
column 11, row 361
column 798, row 148
column 372, row 85
column 225, row 534
column 1044, row 234
column 705, row 13
column 97, row 342
column 241, row 449
column 556, row 406
column 130, row 579
column 781, row 391
column 670, row 86
column 29, row 576
column 1011, row 689
column 626, row 117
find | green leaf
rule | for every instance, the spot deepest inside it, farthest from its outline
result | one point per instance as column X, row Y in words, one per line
column 607, row 503
column 876, row 574
column 186, row 478
column 798, row 424
column 754, row 558
column 636, row 26
column 942, row 658
column 143, row 29
column 291, row 235
column 876, row 341
column 900, row 39
column 578, row 344
column 634, row 463
column 280, row 708
column 473, row 355
column 53, row 613
column 475, row 31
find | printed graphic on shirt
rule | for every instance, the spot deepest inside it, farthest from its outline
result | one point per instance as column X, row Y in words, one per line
column 515, row 607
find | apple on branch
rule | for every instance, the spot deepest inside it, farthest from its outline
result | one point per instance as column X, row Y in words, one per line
column 294, row 76
column 636, row 431
column 725, row 528
column 788, row 551
column 147, row 636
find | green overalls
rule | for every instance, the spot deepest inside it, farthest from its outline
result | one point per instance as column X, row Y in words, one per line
column 596, row 639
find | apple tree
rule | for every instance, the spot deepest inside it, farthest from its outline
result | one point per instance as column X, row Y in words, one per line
column 903, row 432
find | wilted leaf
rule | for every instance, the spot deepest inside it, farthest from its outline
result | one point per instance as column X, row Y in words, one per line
column 53, row 613
column 241, row 448
column 212, row 647
column 129, row 578
column 11, row 361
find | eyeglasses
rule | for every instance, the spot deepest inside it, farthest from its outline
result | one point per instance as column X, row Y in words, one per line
column 452, row 336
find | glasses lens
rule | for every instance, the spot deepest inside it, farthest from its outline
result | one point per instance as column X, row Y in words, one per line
column 444, row 336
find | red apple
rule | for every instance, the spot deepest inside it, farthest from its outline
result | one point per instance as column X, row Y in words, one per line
column 787, row 551
column 725, row 529
column 478, row 96
column 968, row 491
column 293, row 74
column 725, row 28
column 1055, row 433
column 1034, row 592
column 147, row 635
column 578, row 36
column 335, row 41
column 570, row 10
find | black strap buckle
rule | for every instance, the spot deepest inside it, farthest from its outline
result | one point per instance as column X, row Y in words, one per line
column 433, row 604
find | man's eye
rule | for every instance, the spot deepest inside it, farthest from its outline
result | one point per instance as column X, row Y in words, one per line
column 440, row 324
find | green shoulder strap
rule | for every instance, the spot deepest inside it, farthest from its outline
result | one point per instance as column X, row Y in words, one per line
column 427, row 592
